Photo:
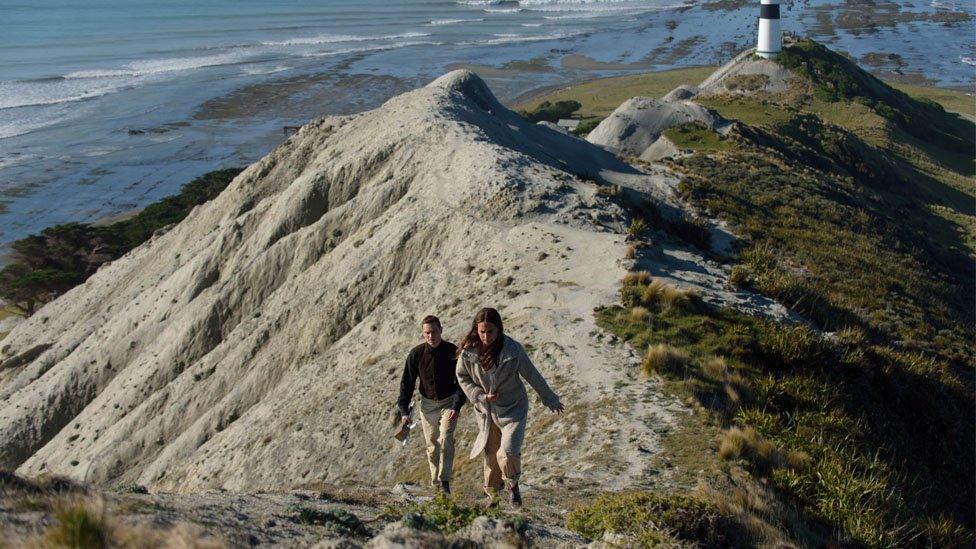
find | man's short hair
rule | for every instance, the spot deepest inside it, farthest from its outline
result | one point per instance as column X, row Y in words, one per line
column 431, row 319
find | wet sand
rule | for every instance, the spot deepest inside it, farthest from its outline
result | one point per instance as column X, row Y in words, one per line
column 295, row 97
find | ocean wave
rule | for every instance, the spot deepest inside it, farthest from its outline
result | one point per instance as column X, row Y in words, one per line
column 89, row 84
column 338, row 38
column 20, row 124
column 502, row 10
column 157, row 66
column 259, row 70
column 14, row 95
column 441, row 22
column 968, row 60
column 378, row 47
column 513, row 38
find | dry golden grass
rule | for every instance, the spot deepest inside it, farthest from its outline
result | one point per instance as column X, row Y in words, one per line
column 636, row 278
column 715, row 368
column 665, row 358
column 672, row 296
column 746, row 443
column 653, row 291
column 631, row 252
column 639, row 314
column 764, row 517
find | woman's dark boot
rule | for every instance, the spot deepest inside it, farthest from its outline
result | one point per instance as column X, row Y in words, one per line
column 445, row 487
column 514, row 493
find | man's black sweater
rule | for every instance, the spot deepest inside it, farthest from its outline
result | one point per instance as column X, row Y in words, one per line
column 435, row 368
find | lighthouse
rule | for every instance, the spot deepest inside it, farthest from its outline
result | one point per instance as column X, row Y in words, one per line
column 770, row 36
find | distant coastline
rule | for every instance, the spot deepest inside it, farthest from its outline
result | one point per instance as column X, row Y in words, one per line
column 225, row 111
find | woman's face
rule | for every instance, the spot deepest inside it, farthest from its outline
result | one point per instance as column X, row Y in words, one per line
column 487, row 333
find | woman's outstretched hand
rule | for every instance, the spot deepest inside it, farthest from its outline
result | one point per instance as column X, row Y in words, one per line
column 491, row 397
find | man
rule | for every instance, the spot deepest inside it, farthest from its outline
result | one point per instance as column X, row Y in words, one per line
column 441, row 398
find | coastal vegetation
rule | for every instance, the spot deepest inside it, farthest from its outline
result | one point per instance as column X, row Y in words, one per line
column 46, row 265
column 856, row 428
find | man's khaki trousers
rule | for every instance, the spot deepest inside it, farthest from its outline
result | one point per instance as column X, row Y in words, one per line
column 439, row 436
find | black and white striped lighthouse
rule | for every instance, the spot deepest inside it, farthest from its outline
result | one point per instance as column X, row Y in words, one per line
column 770, row 35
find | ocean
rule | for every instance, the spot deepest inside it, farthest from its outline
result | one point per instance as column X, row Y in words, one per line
column 107, row 105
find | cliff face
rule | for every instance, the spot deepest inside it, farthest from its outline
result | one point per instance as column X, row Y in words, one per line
column 259, row 342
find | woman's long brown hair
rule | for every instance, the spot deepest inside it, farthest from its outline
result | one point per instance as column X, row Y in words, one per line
column 487, row 356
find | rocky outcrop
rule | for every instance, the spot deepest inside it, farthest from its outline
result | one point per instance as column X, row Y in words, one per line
column 639, row 122
column 747, row 74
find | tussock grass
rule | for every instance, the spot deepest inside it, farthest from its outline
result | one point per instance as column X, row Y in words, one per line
column 765, row 520
column 79, row 525
column 91, row 523
column 664, row 358
column 639, row 314
column 746, row 443
column 651, row 519
column 640, row 289
column 786, row 392
column 636, row 278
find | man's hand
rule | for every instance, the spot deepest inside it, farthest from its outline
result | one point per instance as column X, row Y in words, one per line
column 404, row 420
column 491, row 397
column 452, row 416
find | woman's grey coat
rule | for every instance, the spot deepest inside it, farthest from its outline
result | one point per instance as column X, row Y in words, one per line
column 510, row 410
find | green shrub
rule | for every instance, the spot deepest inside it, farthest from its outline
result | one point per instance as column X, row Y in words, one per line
column 47, row 265
column 551, row 112
column 442, row 514
column 637, row 226
column 586, row 126
column 338, row 520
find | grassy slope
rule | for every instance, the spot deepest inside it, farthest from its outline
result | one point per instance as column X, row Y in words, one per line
column 869, row 231
column 601, row 97
column 951, row 100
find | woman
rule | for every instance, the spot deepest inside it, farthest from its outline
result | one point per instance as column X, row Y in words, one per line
column 489, row 367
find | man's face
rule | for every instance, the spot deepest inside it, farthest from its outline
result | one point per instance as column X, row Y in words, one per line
column 487, row 332
column 432, row 334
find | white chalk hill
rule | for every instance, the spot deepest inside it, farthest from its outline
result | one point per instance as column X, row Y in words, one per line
column 258, row 343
